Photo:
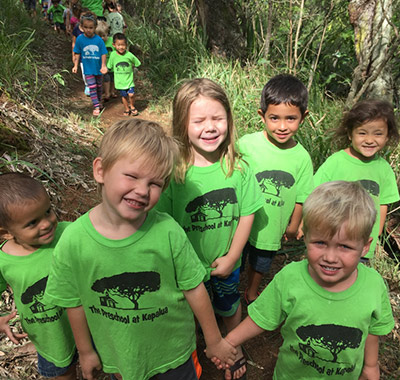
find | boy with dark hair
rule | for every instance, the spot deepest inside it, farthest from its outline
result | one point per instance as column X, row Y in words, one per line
column 127, row 274
column 122, row 63
column 332, row 308
column 56, row 14
column 29, row 225
column 283, row 170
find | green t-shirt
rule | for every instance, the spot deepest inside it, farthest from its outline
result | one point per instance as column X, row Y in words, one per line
column 208, row 207
column 131, row 292
column 116, row 22
column 323, row 332
column 58, row 13
column 46, row 325
column 122, row 65
column 376, row 176
column 285, row 177
column 110, row 48
column 95, row 6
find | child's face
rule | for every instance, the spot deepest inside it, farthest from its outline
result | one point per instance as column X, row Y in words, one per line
column 207, row 129
column 281, row 123
column 89, row 28
column 368, row 139
column 120, row 46
column 332, row 262
column 129, row 189
column 34, row 223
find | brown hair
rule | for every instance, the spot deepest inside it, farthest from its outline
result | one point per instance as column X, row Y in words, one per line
column 363, row 112
column 186, row 95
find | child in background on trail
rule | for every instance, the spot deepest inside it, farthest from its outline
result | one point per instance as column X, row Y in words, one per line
column 91, row 48
column 331, row 308
column 363, row 133
column 45, row 4
column 284, row 171
column 95, row 6
column 213, row 195
column 124, row 247
column 56, row 14
column 114, row 19
column 29, row 225
column 30, row 6
column 122, row 62
column 71, row 20
column 108, row 79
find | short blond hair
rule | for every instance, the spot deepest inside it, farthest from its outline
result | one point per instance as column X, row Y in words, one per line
column 138, row 138
column 332, row 204
column 102, row 29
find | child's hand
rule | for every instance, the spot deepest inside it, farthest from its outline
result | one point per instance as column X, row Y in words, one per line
column 5, row 328
column 223, row 267
column 290, row 233
column 75, row 69
column 223, row 352
column 103, row 70
column 370, row 373
column 218, row 363
column 89, row 362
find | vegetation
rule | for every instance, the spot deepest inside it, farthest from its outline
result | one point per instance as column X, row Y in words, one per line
column 312, row 39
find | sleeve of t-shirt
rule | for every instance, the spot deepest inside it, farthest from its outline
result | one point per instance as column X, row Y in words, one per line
column 61, row 287
column 389, row 191
column 102, row 47
column 252, row 197
column 305, row 181
column 382, row 321
column 3, row 284
column 78, row 47
column 135, row 61
column 267, row 310
column 322, row 176
column 165, row 202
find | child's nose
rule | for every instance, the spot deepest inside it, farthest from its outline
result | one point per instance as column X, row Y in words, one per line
column 142, row 189
column 330, row 255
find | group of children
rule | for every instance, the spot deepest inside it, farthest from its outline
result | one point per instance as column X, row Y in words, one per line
column 166, row 241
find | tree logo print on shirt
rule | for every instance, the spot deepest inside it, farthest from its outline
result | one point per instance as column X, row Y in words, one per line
column 34, row 294
column 371, row 186
column 215, row 200
column 272, row 181
column 333, row 339
column 90, row 50
column 122, row 66
column 127, row 285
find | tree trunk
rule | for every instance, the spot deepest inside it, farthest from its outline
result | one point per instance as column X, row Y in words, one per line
column 371, row 20
column 221, row 27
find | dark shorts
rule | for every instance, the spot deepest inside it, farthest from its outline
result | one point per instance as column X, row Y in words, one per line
column 30, row 4
column 60, row 25
column 125, row 93
column 259, row 259
column 48, row 369
column 109, row 77
column 186, row 371
column 224, row 293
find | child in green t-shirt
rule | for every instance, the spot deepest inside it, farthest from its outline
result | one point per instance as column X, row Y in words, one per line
column 127, row 274
column 56, row 14
column 331, row 308
column 29, row 225
column 122, row 62
column 283, row 170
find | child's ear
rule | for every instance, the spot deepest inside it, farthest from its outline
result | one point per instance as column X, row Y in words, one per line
column 366, row 247
column 5, row 234
column 305, row 114
column 262, row 114
column 98, row 172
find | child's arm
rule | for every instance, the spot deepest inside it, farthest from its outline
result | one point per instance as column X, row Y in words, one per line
column 224, row 265
column 200, row 303
column 76, row 58
column 5, row 328
column 383, row 212
column 88, row 357
column 295, row 220
column 371, row 367
column 103, row 69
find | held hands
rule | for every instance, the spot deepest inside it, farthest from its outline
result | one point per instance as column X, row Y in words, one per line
column 6, row 329
column 292, row 233
column 223, row 267
column 370, row 373
column 222, row 354
column 89, row 362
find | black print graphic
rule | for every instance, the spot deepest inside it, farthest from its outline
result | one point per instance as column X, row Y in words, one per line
column 334, row 338
column 131, row 285
column 371, row 186
column 121, row 66
column 213, row 200
column 34, row 294
column 272, row 181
